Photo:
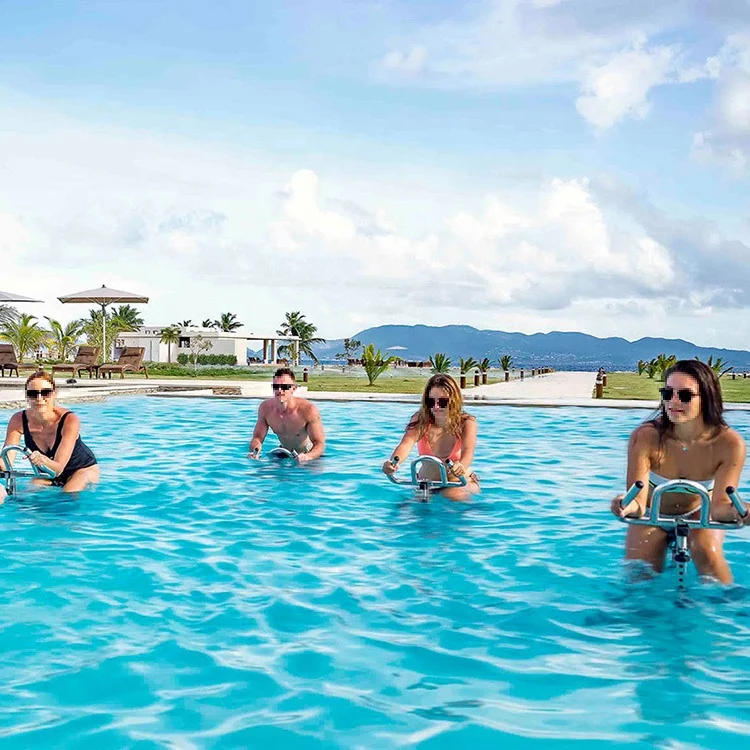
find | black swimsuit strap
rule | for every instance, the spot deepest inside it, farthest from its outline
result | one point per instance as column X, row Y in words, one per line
column 29, row 438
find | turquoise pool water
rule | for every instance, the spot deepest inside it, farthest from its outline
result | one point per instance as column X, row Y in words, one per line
column 195, row 600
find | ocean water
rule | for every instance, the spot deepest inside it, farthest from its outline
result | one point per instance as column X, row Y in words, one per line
column 198, row 600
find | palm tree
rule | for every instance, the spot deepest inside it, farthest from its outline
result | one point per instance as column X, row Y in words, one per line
column 439, row 363
column 664, row 362
column 374, row 362
column 484, row 367
column 185, row 323
column 126, row 318
column 228, row 322
column 506, row 362
column 24, row 334
column 641, row 366
column 718, row 365
column 296, row 325
column 64, row 338
column 208, row 323
column 170, row 335
column 7, row 314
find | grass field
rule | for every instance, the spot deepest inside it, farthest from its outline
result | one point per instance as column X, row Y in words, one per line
column 629, row 385
column 351, row 381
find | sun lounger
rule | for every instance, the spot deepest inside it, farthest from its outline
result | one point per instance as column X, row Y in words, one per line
column 131, row 360
column 87, row 359
column 8, row 359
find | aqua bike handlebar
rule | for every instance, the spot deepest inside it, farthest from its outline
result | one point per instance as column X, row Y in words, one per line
column 37, row 472
column 281, row 452
column 415, row 481
column 654, row 517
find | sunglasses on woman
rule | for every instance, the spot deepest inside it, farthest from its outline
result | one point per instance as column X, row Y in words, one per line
column 441, row 402
column 43, row 392
column 684, row 394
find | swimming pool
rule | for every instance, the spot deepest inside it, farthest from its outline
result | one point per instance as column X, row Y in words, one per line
column 196, row 600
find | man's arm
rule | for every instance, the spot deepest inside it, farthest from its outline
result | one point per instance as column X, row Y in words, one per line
column 259, row 432
column 316, row 433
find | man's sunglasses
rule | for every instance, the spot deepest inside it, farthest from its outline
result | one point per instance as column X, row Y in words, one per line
column 44, row 392
column 684, row 394
column 441, row 402
column 282, row 386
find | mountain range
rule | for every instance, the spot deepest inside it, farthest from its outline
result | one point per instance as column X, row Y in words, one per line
column 558, row 349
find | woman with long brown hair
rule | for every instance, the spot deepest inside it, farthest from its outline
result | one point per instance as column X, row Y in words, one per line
column 53, row 435
column 441, row 428
column 687, row 439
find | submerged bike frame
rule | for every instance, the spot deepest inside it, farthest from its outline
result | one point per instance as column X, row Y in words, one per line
column 681, row 524
column 10, row 473
column 424, row 487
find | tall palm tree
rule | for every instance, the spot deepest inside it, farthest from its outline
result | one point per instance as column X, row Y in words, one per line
column 91, row 328
column 64, row 338
column 228, row 322
column 24, row 334
column 296, row 325
column 126, row 318
column 7, row 314
column 170, row 335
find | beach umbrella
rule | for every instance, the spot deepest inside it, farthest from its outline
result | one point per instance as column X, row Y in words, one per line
column 103, row 296
column 397, row 348
column 8, row 297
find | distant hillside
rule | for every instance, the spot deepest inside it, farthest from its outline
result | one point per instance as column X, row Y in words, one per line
column 561, row 350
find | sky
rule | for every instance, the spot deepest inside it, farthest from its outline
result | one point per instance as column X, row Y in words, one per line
column 519, row 165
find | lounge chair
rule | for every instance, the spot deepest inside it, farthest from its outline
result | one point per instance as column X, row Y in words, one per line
column 8, row 359
column 131, row 360
column 87, row 359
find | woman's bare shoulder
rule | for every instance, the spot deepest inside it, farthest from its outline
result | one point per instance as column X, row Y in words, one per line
column 645, row 436
column 730, row 439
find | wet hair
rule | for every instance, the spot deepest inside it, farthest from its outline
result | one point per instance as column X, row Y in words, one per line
column 424, row 418
column 285, row 371
column 709, row 388
column 41, row 375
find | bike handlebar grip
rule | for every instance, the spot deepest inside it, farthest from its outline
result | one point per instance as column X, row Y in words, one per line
column 734, row 496
column 631, row 494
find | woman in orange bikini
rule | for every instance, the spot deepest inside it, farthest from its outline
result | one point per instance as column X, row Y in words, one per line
column 441, row 428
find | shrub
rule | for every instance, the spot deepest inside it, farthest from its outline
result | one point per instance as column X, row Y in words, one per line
column 208, row 359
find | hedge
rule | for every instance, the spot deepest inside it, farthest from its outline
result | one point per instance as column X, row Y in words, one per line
column 208, row 359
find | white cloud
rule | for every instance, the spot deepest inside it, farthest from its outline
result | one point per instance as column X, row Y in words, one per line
column 602, row 47
column 620, row 87
column 727, row 139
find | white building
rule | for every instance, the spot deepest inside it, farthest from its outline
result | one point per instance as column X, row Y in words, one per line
column 222, row 342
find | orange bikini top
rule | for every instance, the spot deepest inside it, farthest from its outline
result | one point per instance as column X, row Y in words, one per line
column 425, row 449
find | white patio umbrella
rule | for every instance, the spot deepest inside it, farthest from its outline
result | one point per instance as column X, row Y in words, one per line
column 397, row 348
column 8, row 297
column 103, row 296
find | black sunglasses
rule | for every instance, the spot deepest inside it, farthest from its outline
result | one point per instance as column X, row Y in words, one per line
column 282, row 386
column 684, row 394
column 44, row 392
column 441, row 402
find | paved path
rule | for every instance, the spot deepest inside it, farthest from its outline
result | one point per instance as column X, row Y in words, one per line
column 554, row 385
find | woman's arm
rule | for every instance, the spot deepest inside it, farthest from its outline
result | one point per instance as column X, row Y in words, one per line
column 728, row 475
column 640, row 448
column 402, row 450
column 15, row 431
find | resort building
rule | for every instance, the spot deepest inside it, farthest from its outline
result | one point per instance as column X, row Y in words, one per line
column 222, row 342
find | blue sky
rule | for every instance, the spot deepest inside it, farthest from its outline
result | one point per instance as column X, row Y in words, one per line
column 526, row 165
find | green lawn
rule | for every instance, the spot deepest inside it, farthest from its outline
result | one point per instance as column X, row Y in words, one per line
column 629, row 385
column 328, row 380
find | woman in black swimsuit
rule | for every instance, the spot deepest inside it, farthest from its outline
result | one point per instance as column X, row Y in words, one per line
column 52, row 434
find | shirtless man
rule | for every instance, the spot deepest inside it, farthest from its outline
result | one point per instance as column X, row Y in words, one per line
column 295, row 421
